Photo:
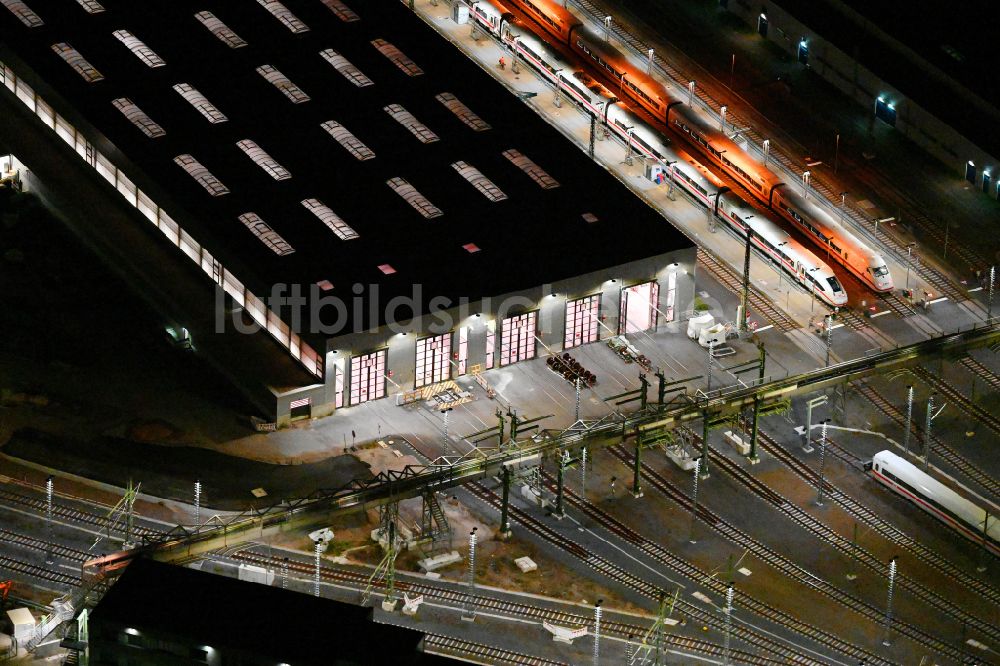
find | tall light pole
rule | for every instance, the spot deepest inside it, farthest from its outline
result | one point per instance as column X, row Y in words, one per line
column 317, row 552
column 822, row 464
column 49, row 489
column 729, row 624
column 989, row 302
column 691, row 85
column 888, row 603
column 909, row 419
column 828, row 334
column 909, row 252
column 767, row 149
column 197, row 504
column 597, row 632
column 694, row 499
column 843, row 206
column 805, row 183
column 469, row 610
column 927, row 430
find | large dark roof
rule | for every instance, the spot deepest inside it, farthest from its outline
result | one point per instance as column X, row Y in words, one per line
column 208, row 609
column 533, row 237
column 959, row 39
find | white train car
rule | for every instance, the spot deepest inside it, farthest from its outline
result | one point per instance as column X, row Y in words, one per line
column 839, row 244
column 966, row 513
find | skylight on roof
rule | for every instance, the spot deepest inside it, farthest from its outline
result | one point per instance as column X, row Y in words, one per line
column 77, row 62
column 479, row 181
column 268, row 236
column 24, row 13
column 220, row 30
column 537, row 173
column 325, row 285
column 92, row 6
column 281, row 82
column 397, row 57
column 282, row 13
column 407, row 120
column 414, row 198
column 200, row 103
column 342, row 11
column 263, row 160
column 138, row 117
column 344, row 66
column 471, row 248
column 141, row 51
column 345, row 138
column 204, row 177
column 330, row 219
column 387, row 269
column 464, row 113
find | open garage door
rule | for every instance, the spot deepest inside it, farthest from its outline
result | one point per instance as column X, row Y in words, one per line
column 638, row 312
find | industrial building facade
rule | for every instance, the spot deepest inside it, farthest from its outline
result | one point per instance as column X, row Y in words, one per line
column 521, row 245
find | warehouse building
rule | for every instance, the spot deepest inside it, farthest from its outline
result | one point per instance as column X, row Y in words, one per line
column 356, row 192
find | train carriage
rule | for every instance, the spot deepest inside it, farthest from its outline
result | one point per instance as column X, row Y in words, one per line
column 964, row 512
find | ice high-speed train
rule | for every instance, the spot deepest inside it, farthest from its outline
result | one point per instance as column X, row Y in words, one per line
column 794, row 259
column 560, row 25
column 962, row 514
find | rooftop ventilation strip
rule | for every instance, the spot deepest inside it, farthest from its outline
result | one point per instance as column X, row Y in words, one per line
column 263, row 160
column 330, row 219
column 220, row 30
column 406, row 119
column 342, row 11
column 204, row 177
column 141, row 51
column 344, row 66
column 24, row 13
column 282, row 13
column 479, row 181
column 77, row 62
column 464, row 113
column 414, row 198
column 397, row 57
column 537, row 174
column 281, row 82
column 200, row 103
column 268, row 236
column 138, row 117
column 91, row 6
column 346, row 139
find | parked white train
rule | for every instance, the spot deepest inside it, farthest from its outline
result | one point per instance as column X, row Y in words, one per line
column 966, row 515
column 561, row 26
column 794, row 259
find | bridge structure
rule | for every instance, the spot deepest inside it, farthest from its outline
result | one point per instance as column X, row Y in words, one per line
column 186, row 543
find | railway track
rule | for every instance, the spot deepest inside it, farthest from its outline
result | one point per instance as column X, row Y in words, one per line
column 448, row 645
column 948, row 454
column 778, row 561
column 457, row 596
column 957, row 397
column 759, row 640
column 764, row 553
column 981, row 371
column 66, row 512
column 821, row 531
column 39, row 572
column 861, row 223
column 882, row 527
column 734, row 282
column 32, row 543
